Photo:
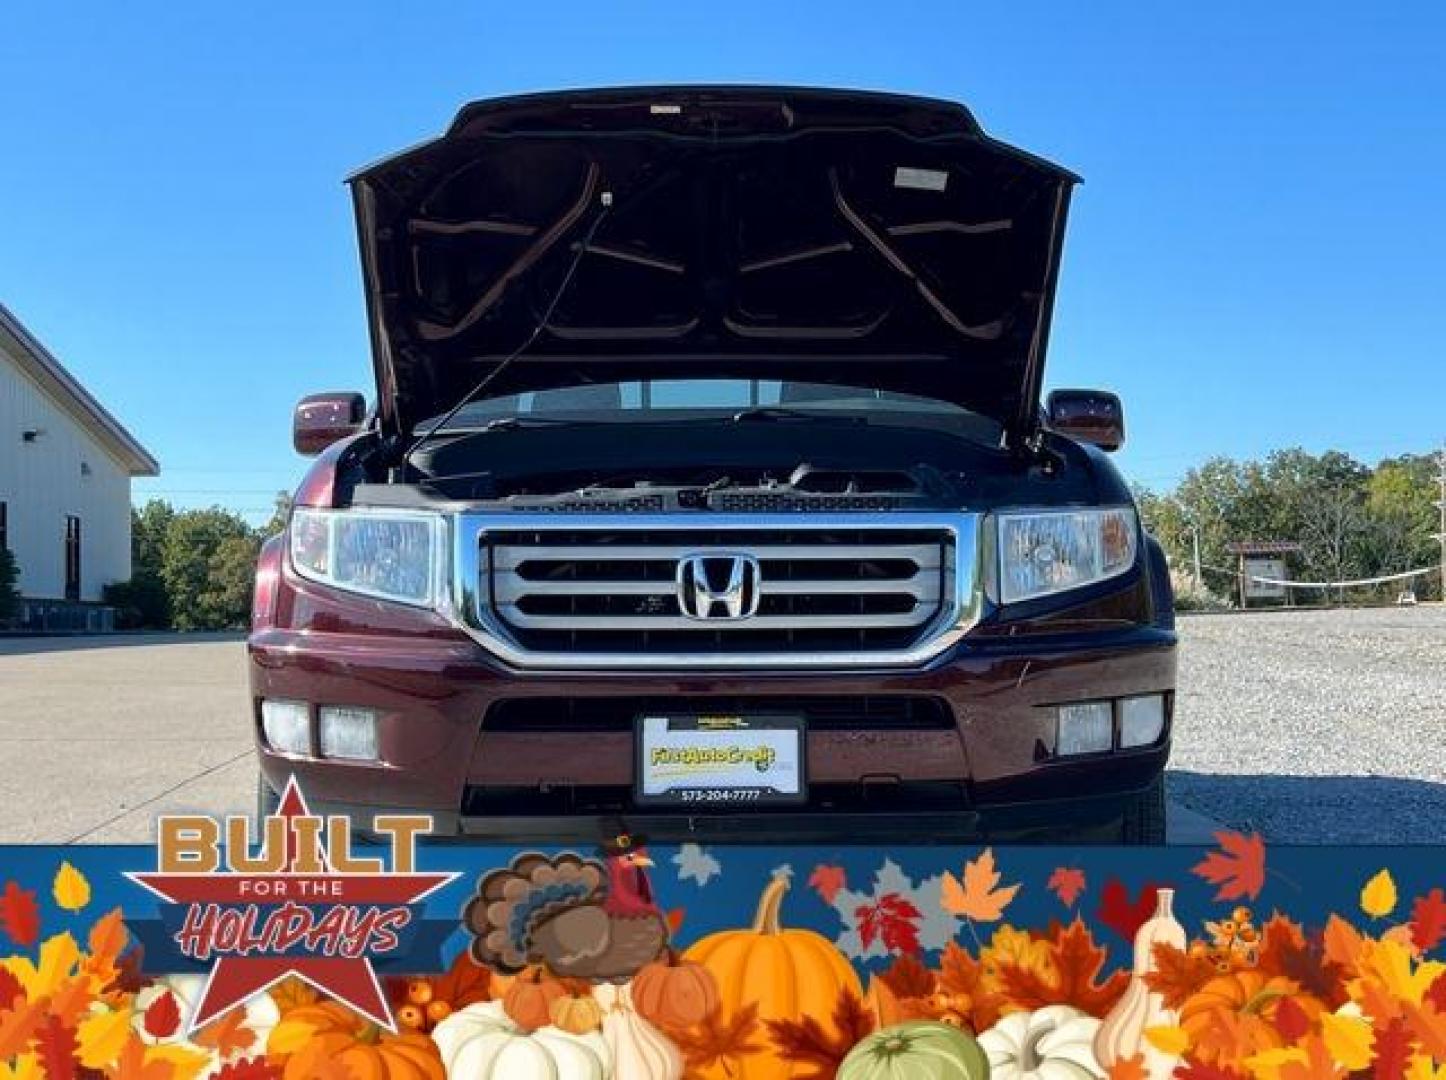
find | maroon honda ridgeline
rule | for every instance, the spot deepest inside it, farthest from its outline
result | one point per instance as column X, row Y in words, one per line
column 709, row 492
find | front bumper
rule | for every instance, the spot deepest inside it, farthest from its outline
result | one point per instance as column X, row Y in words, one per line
column 988, row 774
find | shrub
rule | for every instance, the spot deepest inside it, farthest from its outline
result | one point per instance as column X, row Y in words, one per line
column 9, row 591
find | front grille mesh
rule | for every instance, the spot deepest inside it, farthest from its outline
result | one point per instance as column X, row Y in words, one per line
column 616, row 590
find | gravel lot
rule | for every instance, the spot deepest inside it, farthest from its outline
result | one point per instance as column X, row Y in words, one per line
column 1311, row 727
column 1316, row 727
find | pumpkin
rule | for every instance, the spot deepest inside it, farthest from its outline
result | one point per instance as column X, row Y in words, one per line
column 1053, row 1043
column 786, row 973
column 922, row 1049
column 330, row 1032
column 1252, row 998
column 575, row 1014
column 529, row 999
column 481, row 1042
column 674, row 992
column 640, row 1051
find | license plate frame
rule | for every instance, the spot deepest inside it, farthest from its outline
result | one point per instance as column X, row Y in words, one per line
column 786, row 734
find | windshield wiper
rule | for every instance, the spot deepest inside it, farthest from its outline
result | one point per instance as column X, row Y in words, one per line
column 769, row 413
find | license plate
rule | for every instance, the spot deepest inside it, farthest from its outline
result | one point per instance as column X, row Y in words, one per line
column 720, row 760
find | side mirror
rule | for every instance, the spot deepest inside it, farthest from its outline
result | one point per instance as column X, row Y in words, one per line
column 1091, row 416
column 322, row 419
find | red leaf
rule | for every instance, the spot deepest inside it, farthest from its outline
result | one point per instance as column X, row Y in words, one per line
column 1067, row 883
column 892, row 920
column 56, row 1047
column 1394, row 1046
column 675, row 919
column 255, row 1068
column 19, row 915
column 1078, row 963
column 1238, row 867
column 1196, row 1070
column 1428, row 920
column 163, row 1018
column 1291, row 1020
column 827, row 881
column 10, row 989
column 1436, row 995
column 907, row 977
column 1120, row 913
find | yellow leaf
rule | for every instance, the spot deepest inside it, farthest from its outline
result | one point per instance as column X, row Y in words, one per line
column 1390, row 963
column 72, row 891
column 977, row 897
column 1267, row 1064
column 58, row 958
column 1421, row 1068
column 185, row 1064
column 102, row 1037
column 1171, row 1041
column 27, row 1067
column 289, row 1036
column 1378, row 898
column 1348, row 1040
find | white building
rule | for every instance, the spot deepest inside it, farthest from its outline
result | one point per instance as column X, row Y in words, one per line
column 65, row 485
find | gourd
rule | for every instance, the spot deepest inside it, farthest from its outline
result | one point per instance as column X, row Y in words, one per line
column 785, row 973
column 481, row 1042
column 529, row 999
column 330, row 1033
column 920, row 1050
column 1122, row 1035
column 1053, row 1043
column 639, row 1050
column 575, row 1014
column 674, row 992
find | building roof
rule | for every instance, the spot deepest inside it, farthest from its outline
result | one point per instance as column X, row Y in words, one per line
column 40, row 364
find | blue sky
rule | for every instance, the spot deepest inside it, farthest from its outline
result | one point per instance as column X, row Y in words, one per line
column 1255, row 259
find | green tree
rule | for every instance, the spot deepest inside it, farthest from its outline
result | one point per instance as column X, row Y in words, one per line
column 9, row 587
column 207, row 561
column 280, row 515
column 143, row 601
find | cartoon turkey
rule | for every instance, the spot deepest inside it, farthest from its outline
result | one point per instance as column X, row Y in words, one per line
column 581, row 918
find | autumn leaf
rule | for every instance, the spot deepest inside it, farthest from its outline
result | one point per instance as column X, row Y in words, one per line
column 102, row 1037
column 808, row 1042
column 1436, row 994
column 128, row 977
column 1066, row 883
column 1348, row 1039
column 1178, row 974
column 19, row 915
column 978, row 897
column 55, row 1046
column 961, row 975
column 1428, row 920
column 17, row 1025
column 1286, row 950
column 228, row 1035
column 714, row 1044
column 893, row 920
column 1428, row 1024
column 1130, row 1068
column 71, row 890
column 256, row 1068
column 1077, row 962
column 184, row 1062
column 292, row 994
column 827, row 881
column 907, row 977
column 10, row 989
column 136, row 1064
column 465, row 983
column 1291, row 1020
column 1168, row 1039
column 1378, row 897
column 1394, row 1048
column 163, row 1019
column 106, row 940
column 1343, row 942
column 1123, row 915
column 1238, row 868
column 59, row 956
column 1195, row 1070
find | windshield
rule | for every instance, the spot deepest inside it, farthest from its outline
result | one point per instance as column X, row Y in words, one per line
column 660, row 401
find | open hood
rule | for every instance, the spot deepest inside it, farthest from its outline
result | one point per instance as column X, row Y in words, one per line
column 746, row 232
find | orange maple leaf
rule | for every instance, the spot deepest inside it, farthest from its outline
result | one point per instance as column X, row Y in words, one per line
column 1343, row 943
column 1318, row 1063
column 1074, row 979
column 1238, row 867
column 228, row 1035
column 1067, row 883
column 1130, row 1068
column 1428, row 920
column 1178, row 974
column 1429, row 1026
column 978, row 897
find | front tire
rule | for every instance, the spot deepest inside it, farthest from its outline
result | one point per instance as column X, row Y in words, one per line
column 1144, row 820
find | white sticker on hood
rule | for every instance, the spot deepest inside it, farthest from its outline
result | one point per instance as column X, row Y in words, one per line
column 921, row 179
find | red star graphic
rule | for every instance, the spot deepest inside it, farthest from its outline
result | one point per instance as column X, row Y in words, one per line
column 351, row 981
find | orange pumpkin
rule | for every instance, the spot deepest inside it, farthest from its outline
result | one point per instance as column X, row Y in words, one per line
column 786, row 973
column 576, row 1014
column 1250, row 1000
column 313, row 1035
column 529, row 999
column 674, row 992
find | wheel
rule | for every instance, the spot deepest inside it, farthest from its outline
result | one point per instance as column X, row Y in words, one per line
column 1144, row 821
column 268, row 802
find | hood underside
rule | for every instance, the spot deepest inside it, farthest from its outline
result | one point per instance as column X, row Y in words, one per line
column 746, row 233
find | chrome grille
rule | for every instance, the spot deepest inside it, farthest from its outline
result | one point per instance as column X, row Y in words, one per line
column 834, row 589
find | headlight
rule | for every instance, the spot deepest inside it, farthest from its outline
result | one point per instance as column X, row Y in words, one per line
column 1041, row 554
column 393, row 556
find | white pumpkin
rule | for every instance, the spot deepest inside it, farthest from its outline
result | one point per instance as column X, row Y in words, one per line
column 262, row 1014
column 1053, row 1043
column 640, row 1051
column 481, row 1042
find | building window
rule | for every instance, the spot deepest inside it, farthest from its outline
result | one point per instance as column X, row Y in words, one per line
column 72, row 557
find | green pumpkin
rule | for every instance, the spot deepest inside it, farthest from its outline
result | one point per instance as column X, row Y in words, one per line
column 919, row 1049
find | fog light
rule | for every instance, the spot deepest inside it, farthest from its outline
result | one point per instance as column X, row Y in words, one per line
column 348, row 733
column 287, row 725
column 1142, row 720
column 1086, row 727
